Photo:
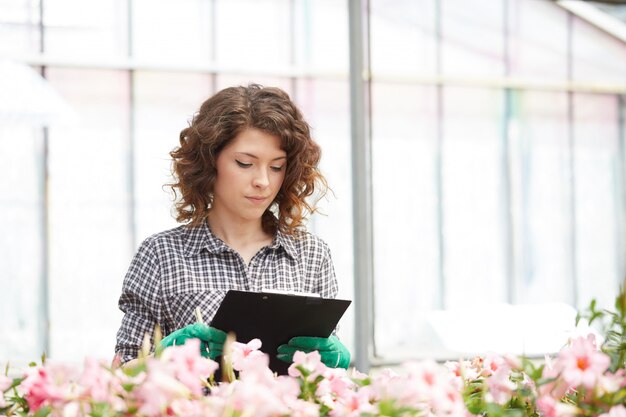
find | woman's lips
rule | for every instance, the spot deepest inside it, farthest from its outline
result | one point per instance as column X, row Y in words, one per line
column 257, row 200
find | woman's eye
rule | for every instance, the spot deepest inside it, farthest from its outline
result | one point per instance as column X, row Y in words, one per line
column 277, row 169
column 242, row 164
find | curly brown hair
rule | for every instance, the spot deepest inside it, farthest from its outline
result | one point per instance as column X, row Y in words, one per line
column 220, row 119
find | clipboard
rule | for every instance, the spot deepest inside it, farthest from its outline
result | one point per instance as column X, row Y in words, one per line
column 275, row 318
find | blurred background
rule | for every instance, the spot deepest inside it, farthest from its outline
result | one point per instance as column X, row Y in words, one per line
column 496, row 128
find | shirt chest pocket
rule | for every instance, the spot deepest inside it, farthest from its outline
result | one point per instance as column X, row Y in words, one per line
column 181, row 306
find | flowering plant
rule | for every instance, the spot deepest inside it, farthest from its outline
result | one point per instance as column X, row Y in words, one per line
column 586, row 378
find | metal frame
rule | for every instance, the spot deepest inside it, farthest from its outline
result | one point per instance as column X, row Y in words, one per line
column 361, row 183
column 210, row 67
column 571, row 163
column 441, row 295
column 505, row 164
column 620, row 201
column 44, row 290
column 130, row 186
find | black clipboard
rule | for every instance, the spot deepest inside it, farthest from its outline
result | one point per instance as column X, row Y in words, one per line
column 275, row 318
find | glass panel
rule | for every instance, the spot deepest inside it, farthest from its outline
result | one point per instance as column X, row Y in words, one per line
column 326, row 107
column 474, row 249
column 599, row 207
column 260, row 37
column 94, row 29
column 230, row 80
column 90, row 243
column 402, row 37
column 19, row 26
column 406, row 241
column 597, row 55
column 475, row 243
column 321, row 35
column 540, row 201
column 472, row 36
column 164, row 104
column 538, row 39
column 167, row 30
column 21, row 256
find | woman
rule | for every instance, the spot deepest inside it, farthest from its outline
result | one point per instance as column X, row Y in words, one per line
column 243, row 170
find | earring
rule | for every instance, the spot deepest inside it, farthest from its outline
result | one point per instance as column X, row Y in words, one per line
column 210, row 203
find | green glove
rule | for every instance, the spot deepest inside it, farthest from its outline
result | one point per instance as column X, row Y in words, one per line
column 211, row 339
column 334, row 354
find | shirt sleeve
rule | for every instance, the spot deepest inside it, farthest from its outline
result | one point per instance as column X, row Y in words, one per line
column 327, row 281
column 327, row 285
column 140, row 302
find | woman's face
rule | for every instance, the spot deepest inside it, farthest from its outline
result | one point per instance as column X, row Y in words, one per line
column 250, row 172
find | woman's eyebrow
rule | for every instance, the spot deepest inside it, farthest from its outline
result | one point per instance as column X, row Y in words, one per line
column 256, row 157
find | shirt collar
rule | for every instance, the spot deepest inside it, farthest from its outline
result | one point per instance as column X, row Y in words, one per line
column 201, row 237
column 286, row 242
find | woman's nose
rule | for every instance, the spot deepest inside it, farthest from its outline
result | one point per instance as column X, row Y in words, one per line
column 261, row 179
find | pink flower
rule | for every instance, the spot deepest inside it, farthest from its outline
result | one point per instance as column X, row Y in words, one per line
column 353, row 404
column 356, row 375
column 581, row 363
column 406, row 390
column 49, row 384
column 255, row 369
column 99, row 382
column 462, row 371
column 159, row 388
column 549, row 407
column 335, row 382
column 390, row 385
column 615, row 411
column 188, row 365
column 428, row 387
column 184, row 407
column 310, row 362
column 251, row 398
column 244, row 353
column 499, row 382
column 301, row 408
column 557, row 388
column 286, row 388
column 71, row 409
column 610, row 383
column 5, row 383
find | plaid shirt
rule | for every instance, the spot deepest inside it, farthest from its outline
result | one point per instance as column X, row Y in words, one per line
column 180, row 269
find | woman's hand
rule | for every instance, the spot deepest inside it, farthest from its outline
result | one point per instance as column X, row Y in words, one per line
column 211, row 339
column 333, row 353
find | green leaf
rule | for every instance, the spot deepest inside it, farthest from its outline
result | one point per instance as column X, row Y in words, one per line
column 620, row 302
column 136, row 369
column 128, row 387
column 362, row 382
column 494, row 410
column 43, row 411
column 100, row 410
column 513, row 412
